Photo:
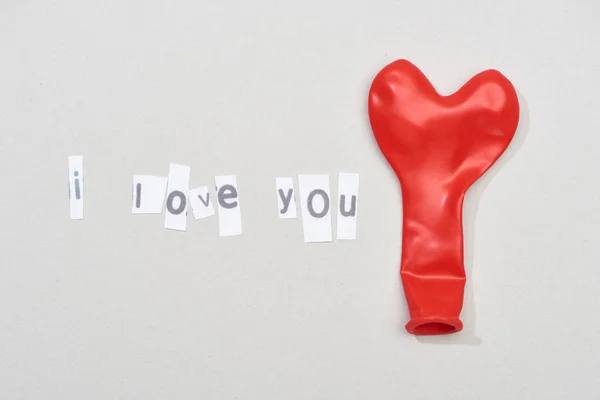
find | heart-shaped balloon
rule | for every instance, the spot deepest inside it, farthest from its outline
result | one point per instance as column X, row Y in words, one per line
column 438, row 146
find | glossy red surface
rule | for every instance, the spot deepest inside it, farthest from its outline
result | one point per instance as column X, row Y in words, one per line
column 438, row 146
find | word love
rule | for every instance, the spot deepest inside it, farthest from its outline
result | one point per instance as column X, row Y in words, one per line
column 150, row 192
column 172, row 194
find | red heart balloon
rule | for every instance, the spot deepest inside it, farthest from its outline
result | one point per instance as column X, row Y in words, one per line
column 438, row 146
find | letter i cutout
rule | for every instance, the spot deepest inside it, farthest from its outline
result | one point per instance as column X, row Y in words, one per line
column 76, row 187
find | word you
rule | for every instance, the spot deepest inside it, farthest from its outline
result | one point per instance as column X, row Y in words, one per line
column 172, row 194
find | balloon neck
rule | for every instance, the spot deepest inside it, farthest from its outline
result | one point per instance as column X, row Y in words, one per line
column 432, row 267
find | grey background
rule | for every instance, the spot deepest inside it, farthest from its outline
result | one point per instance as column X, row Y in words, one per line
column 116, row 307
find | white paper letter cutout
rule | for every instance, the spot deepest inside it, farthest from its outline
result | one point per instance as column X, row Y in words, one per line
column 347, row 213
column 76, row 187
column 201, row 202
column 315, row 203
column 230, row 217
column 148, row 194
column 286, row 202
column 176, row 203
